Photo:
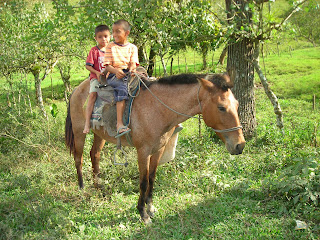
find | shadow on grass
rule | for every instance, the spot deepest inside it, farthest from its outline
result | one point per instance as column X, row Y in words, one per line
column 233, row 215
column 30, row 210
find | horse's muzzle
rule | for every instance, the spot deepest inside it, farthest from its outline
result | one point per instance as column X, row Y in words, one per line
column 238, row 149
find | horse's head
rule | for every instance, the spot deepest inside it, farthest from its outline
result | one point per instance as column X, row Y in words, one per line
column 220, row 111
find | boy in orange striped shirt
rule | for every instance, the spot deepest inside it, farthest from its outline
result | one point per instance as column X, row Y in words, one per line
column 121, row 59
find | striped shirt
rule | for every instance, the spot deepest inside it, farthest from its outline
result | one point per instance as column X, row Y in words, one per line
column 121, row 56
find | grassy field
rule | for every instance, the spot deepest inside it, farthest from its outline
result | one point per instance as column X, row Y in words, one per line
column 205, row 193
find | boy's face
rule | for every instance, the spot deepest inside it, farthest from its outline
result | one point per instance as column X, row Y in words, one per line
column 119, row 34
column 103, row 38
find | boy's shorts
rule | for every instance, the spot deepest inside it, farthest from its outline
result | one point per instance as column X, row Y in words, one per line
column 93, row 83
column 120, row 87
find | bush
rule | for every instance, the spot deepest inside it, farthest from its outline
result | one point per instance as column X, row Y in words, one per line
column 298, row 183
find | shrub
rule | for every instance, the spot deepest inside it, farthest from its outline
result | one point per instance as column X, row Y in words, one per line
column 298, row 183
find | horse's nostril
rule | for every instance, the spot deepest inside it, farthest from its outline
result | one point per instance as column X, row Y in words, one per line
column 239, row 148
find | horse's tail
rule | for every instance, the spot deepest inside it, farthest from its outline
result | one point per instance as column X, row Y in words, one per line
column 69, row 136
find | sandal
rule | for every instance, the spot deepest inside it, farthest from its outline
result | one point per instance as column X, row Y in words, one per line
column 122, row 133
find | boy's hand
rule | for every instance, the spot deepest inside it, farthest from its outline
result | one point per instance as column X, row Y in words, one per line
column 120, row 74
column 99, row 74
column 133, row 71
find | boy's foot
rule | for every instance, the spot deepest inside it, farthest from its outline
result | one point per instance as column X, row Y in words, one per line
column 86, row 130
column 122, row 130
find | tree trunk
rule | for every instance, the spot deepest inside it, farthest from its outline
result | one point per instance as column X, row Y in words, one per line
column 239, row 62
column 223, row 55
column 152, row 57
column 204, row 61
column 141, row 55
column 37, row 81
column 240, row 56
column 163, row 66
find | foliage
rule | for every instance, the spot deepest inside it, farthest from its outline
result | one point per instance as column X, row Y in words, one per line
column 306, row 23
column 299, row 182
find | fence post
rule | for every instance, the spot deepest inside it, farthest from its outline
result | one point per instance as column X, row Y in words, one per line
column 314, row 102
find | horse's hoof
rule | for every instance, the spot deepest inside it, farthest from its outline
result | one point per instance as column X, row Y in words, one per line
column 147, row 220
column 151, row 211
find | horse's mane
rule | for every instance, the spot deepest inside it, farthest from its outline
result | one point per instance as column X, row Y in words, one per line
column 222, row 81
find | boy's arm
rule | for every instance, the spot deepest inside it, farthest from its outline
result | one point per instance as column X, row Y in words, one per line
column 91, row 69
column 134, row 60
column 118, row 72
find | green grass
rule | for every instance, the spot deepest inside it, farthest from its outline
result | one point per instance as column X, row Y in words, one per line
column 205, row 193
column 295, row 75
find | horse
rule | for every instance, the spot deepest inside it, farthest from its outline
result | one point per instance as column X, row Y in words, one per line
column 160, row 106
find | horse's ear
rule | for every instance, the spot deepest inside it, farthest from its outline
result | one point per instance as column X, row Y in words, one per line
column 206, row 84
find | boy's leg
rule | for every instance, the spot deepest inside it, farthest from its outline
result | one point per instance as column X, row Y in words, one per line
column 89, row 109
column 92, row 98
column 120, row 109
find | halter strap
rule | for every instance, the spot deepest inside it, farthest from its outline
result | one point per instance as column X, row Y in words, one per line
column 186, row 115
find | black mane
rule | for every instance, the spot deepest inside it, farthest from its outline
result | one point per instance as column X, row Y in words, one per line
column 179, row 79
column 222, row 81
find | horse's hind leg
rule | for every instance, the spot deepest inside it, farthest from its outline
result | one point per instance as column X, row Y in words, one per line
column 154, row 160
column 97, row 146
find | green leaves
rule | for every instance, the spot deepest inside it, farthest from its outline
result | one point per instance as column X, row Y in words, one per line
column 54, row 110
column 299, row 183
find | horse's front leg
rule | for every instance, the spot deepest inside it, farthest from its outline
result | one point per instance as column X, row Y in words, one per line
column 143, row 162
column 96, row 148
column 154, row 161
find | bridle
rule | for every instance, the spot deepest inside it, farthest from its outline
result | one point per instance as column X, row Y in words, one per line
column 186, row 115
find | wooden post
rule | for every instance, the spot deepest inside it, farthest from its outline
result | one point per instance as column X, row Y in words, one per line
column 171, row 66
column 314, row 102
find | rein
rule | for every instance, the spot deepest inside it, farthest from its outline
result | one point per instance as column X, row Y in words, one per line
column 186, row 115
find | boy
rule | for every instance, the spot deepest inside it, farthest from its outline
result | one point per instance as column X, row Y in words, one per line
column 94, row 64
column 121, row 59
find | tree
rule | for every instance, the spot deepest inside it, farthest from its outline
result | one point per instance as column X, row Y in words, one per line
column 240, row 56
column 247, row 29
column 306, row 23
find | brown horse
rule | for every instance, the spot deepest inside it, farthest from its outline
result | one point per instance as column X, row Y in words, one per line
column 160, row 106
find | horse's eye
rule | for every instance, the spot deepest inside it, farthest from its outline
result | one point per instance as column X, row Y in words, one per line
column 222, row 109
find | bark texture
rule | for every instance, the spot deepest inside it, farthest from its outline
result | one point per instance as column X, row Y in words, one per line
column 239, row 56
column 239, row 62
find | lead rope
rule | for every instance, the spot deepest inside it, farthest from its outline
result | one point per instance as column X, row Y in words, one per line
column 182, row 114
column 186, row 115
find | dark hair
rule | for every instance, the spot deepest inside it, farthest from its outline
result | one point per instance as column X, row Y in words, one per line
column 125, row 24
column 101, row 28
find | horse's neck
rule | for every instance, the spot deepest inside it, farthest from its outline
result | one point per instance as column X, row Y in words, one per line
column 181, row 100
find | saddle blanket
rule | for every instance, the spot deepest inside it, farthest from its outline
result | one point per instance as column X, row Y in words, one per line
column 105, row 113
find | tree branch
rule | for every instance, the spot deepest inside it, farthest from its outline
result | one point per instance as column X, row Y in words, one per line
column 290, row 13
column 273, row 98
